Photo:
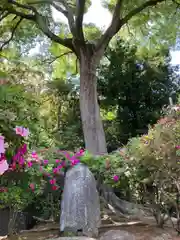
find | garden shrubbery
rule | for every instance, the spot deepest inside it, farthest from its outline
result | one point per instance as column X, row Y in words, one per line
column 147, row 171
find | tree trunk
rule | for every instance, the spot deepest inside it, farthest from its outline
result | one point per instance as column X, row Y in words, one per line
column 94, row 135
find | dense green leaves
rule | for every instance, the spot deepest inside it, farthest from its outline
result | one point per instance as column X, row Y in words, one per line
column 137, row 88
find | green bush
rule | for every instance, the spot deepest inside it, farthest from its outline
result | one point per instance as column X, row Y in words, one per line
column 156, row 157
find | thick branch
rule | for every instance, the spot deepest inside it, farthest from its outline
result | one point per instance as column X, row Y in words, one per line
column 41, row 23
column 12, row 34
column 118, row 22
column 113, row 28
column 80, row 6
column 69, row 16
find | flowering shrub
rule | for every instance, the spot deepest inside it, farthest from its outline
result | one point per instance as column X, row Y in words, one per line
column 148, row 168
column 29, row 172
column 114, row 169
column 156, row 156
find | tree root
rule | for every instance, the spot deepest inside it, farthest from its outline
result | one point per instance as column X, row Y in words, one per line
column 43, row 220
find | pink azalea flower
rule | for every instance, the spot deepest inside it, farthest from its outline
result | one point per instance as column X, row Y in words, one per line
column 29, row 164
column 74, row 162
column 116, row 178
column 23, row 132
column 21, row 160
column 18, row 130
column 23, row 149
column 52, row 181
column 13, row 166
column 45, row 162
column 66, row 154
column 178, row 147
column 57, row 160
column 32, row 186
column 2, row 148
column 55, row 170
column 34, row 155
column 3, row 166
column 59, row 167
column 14, row 158
column 80, row 153
column 54, row 187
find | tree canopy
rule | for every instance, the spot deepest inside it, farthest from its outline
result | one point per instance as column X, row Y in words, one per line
column 18, row 16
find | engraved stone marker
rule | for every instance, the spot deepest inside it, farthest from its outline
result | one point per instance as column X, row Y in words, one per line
column 80, row 206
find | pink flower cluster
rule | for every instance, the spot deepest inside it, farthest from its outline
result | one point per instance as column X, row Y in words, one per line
column 60, row 165
column 4, row 166
column 23, row 132
column 116, row 178
column 19, row 162
column 18, row 158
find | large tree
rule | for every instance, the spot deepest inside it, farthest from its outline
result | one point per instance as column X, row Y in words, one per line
column 88, row 53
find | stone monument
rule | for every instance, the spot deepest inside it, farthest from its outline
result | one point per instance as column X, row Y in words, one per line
column 80, row 205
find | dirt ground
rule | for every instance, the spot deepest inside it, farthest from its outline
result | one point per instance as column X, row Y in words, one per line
column 141, row 233
column 147, row 232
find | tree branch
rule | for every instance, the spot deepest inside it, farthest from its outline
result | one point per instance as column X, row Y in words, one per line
column 50, row 2
column 118, row 22
column 41, row 23
column 2, row 16
column 139, row 9
column 60, row 9
column 69, row 16
column 50, row 61
column 11, row 10
column 67, row 12
column 113, row 28
column 25, row 6
column 40, row 20
column 80, row 6
column 12, row 34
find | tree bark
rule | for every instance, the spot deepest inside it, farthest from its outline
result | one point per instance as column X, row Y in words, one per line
column 93, row 131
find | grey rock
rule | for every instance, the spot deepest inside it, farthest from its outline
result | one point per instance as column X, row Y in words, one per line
column 80, row 205
column 117, row 235
column 164, row 236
